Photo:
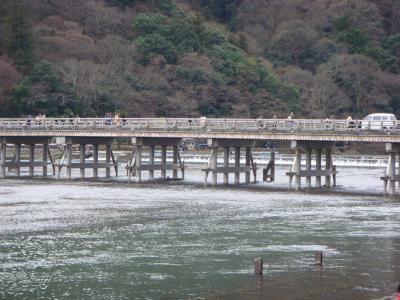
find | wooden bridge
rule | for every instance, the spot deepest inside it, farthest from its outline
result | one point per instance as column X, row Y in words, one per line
column 305, row 136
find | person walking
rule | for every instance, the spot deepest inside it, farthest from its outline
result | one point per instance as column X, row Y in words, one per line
column 117, row 119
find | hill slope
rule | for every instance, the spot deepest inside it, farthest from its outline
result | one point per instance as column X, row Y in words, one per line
column 240, row 58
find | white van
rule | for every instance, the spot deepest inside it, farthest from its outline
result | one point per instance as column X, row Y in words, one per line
column 379, row 121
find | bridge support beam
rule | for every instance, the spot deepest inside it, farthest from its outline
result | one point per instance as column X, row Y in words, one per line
column 136, row 165
column 31, row 160
column 18, row 159
column 296, row 169
column 3, row 158
column 226, row 164
column 83, row 164
column 390, row 178
column 82, row 159
column 95, row 161
column 269, row 171
column 45, row 151
column 15, row 164
column 226, row 169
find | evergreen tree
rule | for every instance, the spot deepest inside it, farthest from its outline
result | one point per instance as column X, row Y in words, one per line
column 18, row 41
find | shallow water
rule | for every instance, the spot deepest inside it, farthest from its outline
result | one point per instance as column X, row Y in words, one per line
column 178, row 240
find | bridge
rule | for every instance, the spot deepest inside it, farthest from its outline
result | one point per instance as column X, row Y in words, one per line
column 305, row 136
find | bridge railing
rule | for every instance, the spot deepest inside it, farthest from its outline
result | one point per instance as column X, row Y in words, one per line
column 189, row 124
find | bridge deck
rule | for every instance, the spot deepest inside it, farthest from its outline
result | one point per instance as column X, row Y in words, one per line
column 252, row 129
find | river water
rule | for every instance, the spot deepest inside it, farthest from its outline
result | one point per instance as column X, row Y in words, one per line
column 179, row 240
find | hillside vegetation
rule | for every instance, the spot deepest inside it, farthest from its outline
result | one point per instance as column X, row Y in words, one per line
column 240, row 58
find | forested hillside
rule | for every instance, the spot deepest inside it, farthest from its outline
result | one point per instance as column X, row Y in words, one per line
column 222, row 58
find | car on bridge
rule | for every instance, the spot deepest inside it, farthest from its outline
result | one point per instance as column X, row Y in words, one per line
column 379, row 121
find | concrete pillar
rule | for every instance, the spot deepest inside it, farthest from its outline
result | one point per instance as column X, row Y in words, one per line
column 138, row 160
column 214, row 158
column 164, row 162
column 151, row 161
column 247, row 174
column 328, row 166
column 18, row 158
column 82, row 159
column 175, row 161
column 95, row 160
column 108, row 160
column 318, row 168
column 298, row 169
column 237, row 164
column 68, row 156
column 3, row 154
column 226, row 164
column 308, row 168
column 31, row 159
column 392, row 173
column 45, row 159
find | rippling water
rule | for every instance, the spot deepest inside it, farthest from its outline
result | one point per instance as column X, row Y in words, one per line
column 113, row 240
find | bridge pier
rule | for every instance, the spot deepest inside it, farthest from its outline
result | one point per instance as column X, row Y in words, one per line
column 225, row 144
column 296, row 169
column 18, row 159
column 3, row 158
column 136, row 166
column 83, row 164
column 269, row 170
column 15, row 163
column 390, row 178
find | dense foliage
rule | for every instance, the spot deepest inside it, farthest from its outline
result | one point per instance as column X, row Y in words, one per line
column 190, row 57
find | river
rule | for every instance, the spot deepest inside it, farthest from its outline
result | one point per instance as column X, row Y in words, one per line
column 179, row 240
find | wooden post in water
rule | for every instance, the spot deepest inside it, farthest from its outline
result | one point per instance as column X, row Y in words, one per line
column 237, row 165
column 298, row 170
column 398, row 168
column 308, row 168
column 3, row 153
column 68, row 154
column 175, row 161
column 151, row 162
column 31, row 160
column 214, row 165
column 108, row 160
column 328, row 166
column 95, row 161
column 138, row 161
column 226, row 164
column 318, row 168
column 318, row 258
column 18, row 158
column 392, row 173
column 45, row 159
column 82, row 160
column 163, row 162
column 258, row 266
column 247, row 174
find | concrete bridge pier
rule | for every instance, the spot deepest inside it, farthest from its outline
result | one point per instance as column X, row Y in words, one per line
column 390, row 177
column 226, row 169
column 136, row 165
column 297, row 172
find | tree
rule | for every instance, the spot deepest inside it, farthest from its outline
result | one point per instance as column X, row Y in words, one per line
column 19, row 40
column 292, row 44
